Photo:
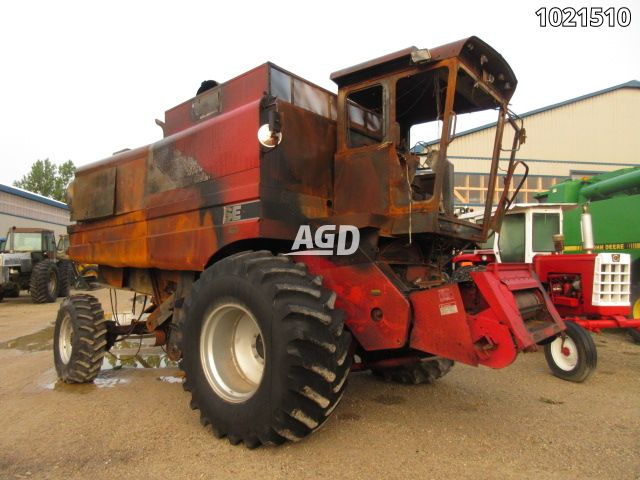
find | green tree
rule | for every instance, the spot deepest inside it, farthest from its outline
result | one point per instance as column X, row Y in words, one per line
column 66, row 171
column 48, row 179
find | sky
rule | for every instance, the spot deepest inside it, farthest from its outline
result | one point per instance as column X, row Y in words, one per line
column 80, row 80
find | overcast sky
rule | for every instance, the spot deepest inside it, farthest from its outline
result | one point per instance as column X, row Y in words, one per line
column 80, row 80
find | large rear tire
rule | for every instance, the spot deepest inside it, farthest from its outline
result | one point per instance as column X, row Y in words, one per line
column 265, row 354
column 425, row 371
column 66, row 278
column 572, row 356
column 79, row 339
column 44, row 282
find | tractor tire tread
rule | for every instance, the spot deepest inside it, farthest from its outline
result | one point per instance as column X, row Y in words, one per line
column 316, row 349
column 587, row 355
column 65, row 278
column 39, row 282
column 425, row 371
column 89, row 340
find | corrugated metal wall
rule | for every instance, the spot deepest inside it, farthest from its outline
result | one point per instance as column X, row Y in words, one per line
column 601, row 130
column 22, row 212
column 596, row 134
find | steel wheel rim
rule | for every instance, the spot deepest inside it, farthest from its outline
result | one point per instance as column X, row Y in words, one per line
column 232, row 352
column 65, row 339
column 53, row 283
column 565, row 360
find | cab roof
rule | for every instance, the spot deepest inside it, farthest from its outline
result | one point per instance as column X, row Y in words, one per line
column 474, row 52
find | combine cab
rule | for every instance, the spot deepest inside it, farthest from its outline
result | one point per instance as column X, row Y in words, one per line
column 288, row 236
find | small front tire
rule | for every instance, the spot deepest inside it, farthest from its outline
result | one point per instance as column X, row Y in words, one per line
column 573, row 355
column 79, row 339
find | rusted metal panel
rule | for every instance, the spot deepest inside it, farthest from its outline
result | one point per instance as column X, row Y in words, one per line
column 170, row 194
column 129, row 194
column 112, row 276
column 206, row 104
column 168, row 169
column 303, row 162
column 94, row 195
column 182, row 241
column 196, row 245
column 363, row 179
column 390, row 62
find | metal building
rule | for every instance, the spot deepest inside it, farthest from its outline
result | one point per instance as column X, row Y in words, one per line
column 579, row 137
column 21, row 208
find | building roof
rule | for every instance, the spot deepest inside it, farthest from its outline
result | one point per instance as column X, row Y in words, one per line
column 629, row 84
column 33, row 196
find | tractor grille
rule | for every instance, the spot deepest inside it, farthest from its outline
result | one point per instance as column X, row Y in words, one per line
column 612, row 279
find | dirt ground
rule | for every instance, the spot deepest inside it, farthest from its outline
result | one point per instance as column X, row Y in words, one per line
column 519, row 422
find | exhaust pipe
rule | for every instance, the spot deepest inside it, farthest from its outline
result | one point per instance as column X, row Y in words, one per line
column 586, row 230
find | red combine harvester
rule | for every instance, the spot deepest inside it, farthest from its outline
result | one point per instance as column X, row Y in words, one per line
column 210, row 220
column 590, row 290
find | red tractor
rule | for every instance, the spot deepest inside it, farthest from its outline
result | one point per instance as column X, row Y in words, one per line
column 590, row 290
column 288, row 236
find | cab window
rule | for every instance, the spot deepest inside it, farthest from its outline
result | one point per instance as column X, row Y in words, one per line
column 420, row 100
column 545, row 226
column 365, row 117
column 511, row 242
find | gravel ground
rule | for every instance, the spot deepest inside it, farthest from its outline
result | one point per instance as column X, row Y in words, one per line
column 519, row 422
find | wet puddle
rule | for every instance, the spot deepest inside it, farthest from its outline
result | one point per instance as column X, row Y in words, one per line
column 105, row 379
column 171, row 378
column 124, row 355
column 101, row 381
column 35, row 342
column 133, row 353
column 137, row 354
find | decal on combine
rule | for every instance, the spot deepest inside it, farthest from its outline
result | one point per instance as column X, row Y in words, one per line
column 325, row 240
column 240, row 211
column 448, row 309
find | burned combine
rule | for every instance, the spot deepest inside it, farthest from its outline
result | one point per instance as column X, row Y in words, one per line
column 204, row 221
